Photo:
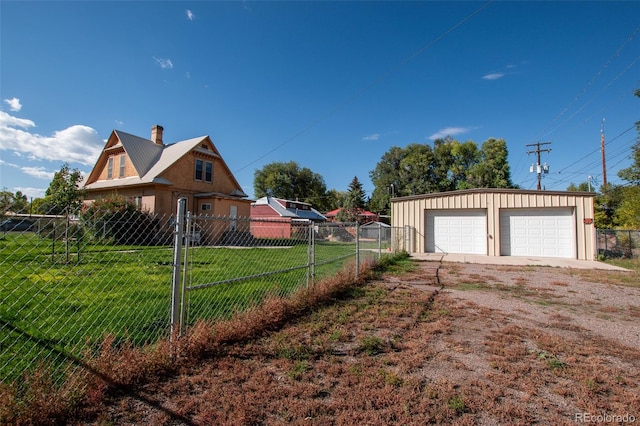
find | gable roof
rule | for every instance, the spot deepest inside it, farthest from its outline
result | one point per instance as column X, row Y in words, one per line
column 151, row 159
column 142, row 152
column 279, row 206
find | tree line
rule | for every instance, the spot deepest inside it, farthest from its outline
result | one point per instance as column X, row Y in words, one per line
column 402, row 171
column 414, row 169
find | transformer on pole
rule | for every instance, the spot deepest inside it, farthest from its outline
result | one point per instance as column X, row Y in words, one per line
column 538, row 167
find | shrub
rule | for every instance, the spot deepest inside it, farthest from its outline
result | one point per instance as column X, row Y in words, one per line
column 118, row 220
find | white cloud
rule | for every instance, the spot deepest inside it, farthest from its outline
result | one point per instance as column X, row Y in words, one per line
column 372, row 137
column 449, row 131
column 14, row 104
column 493, row 76
column 31, row 192
column 4, row 163
column 77, row 144
column 7, row 120
column 164, row 63
column 38, row 172
column 190, row 15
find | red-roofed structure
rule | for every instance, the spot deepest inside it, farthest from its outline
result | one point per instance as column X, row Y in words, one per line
column 364, row 215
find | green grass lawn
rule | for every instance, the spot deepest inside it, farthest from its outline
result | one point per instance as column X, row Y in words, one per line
column 57, row 299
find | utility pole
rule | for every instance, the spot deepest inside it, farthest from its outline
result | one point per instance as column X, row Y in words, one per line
column 539, row 168
column 604, row 163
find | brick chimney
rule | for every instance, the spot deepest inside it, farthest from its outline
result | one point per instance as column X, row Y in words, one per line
column 156, row 134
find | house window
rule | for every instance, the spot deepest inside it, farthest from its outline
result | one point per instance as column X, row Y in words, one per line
column 110, row 168
column 204, row 170
column 138, row 202
column 205, row 207
column 199, row 165
column 208, row 171
column 122, row 164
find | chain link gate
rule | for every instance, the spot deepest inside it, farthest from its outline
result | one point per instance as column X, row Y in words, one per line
column 225, row 265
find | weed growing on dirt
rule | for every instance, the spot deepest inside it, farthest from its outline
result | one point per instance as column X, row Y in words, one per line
column 371, row 345
column 456, row 403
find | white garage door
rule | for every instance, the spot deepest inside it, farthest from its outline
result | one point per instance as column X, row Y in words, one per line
column 456, row 231
column 538, row 232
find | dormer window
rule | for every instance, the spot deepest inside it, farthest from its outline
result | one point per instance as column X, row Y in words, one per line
column 123, row 160
column 208, row 171
column 204, row 170
column 110, row 168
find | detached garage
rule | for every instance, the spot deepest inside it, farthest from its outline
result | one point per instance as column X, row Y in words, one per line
column 499, row 222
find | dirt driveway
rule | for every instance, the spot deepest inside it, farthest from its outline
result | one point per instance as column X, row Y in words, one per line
column 561, row 344
column 445, row 344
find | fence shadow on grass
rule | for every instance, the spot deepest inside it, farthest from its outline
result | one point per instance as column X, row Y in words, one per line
column 86, row 367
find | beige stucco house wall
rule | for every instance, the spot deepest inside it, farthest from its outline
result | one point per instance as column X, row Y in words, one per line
column 499, row 222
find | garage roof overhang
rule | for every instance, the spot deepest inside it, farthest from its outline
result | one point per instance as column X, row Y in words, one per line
column 491, row 191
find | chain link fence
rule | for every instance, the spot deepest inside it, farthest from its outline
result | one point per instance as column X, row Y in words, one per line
column 614, row 243
column 67, row 284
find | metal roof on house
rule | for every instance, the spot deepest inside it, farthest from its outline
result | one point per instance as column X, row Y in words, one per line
column 129, row 181
column 278, row 205
column 142, row 152
column 170, row 154
column 149, row 159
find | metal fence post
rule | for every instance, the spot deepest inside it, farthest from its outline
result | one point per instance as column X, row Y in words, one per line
column 357, row 250
column 177, row 251
column 379, row 241
column 185, row 266
column 312, row 257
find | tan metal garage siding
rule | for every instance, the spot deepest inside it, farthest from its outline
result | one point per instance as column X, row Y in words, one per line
column 410, row 212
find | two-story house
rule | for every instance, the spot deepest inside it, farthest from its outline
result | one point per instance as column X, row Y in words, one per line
column 155, row 175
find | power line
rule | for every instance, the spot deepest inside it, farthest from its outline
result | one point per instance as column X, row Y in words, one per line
column 371, row 85
column 590, row 82
column 597, row 149
column 568, row 177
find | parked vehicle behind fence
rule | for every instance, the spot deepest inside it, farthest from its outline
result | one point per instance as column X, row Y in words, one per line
column 16, row 224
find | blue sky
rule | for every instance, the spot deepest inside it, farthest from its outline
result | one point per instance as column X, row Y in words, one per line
column 330, row 85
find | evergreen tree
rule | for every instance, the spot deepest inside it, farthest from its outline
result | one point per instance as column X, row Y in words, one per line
column 354, row 203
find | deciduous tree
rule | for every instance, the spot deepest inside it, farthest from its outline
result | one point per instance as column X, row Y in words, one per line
column 448, row 166
column 291, row 182
column 16, row 203
column 64, row 195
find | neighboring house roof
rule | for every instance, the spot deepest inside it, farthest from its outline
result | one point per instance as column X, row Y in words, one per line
column 364, row 213
column 279, row 206
column 375, row 224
